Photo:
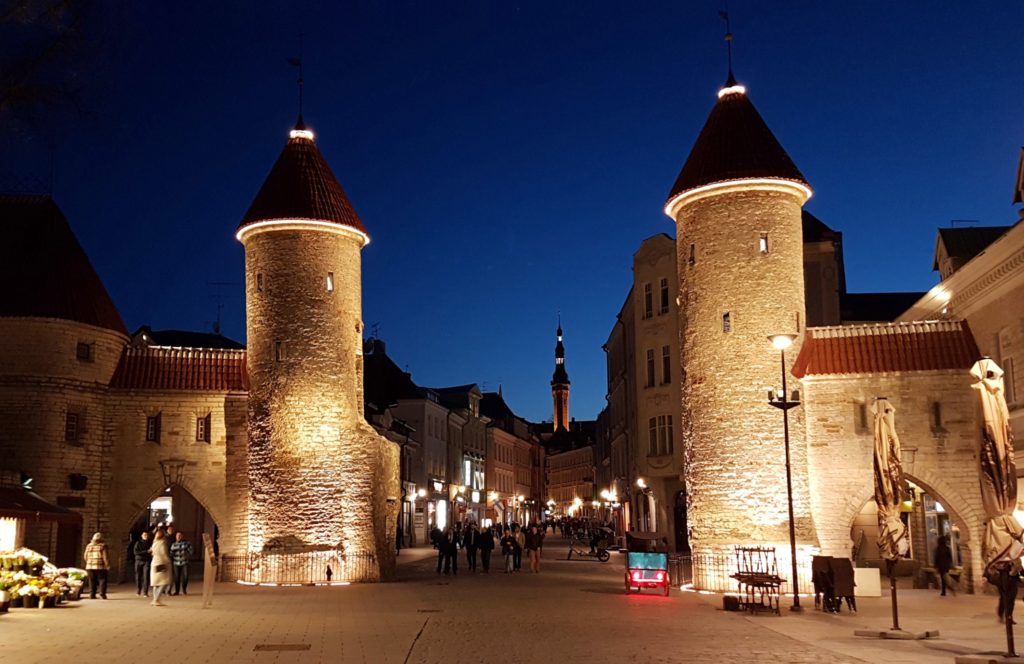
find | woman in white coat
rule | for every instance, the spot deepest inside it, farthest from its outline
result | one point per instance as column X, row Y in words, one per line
column 160, row 568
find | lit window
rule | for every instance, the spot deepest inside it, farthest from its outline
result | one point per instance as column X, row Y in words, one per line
column 153, row 429
column 330, row 282
column 203, row 429
column 71, row 428
column 83, row 351
column 762, row 244
column 726, row 322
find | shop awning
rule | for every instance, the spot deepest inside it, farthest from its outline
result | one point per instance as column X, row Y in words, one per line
column 19, row 503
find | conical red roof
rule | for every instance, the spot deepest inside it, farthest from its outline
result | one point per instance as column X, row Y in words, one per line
column 735, row 144
column 45, row 271
column 302, row 186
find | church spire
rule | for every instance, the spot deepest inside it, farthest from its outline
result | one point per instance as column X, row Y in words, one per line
column 560, row 384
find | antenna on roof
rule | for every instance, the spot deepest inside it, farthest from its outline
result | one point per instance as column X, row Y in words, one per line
column 728, row 43
column 375, row 330
column 218, row 296
column 297, row 62
column 1018, row 190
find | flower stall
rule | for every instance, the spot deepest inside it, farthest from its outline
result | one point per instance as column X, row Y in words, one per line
column 28, row 580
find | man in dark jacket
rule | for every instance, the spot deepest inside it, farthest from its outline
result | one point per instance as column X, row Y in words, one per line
column 486, row 546
column 470, row 542
column 451, row 551
column 944, row 563
column 143, row 558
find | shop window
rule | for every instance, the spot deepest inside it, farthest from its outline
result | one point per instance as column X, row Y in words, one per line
column 153, row 428
column 71, row 429
column 663, row 309
column 726, row 322
column 203, row 429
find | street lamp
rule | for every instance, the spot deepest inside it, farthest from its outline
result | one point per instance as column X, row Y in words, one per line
column 784, row 402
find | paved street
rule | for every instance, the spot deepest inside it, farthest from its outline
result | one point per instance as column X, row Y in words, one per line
column 571, row 612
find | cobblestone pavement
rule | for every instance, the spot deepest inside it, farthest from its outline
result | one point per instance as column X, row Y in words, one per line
column 573, row 611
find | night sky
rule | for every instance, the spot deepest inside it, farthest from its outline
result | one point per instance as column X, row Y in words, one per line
column 508, row 159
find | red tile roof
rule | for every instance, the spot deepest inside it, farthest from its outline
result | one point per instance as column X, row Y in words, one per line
column 302, row 186
column 45, row 271
column 164, row 368
column 735, row 144
column 886, row 347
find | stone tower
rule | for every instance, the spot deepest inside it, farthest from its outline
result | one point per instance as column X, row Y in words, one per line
column 323, row 486
column 737, row 207
column 560, row 385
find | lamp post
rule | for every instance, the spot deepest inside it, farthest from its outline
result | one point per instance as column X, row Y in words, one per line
column 783, row 402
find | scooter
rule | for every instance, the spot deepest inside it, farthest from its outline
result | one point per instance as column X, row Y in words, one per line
column 582, row 550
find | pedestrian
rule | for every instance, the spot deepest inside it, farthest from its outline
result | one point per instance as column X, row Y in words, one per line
column 142, row 560
column 330, row 573
column 944, row 563
column 437, row 538
column 451, row 551
column 97, row 564
column 471, row 542
column 160, row 569
column 399, row 534
column 508, row 545
column 181, row 556
column 533, row 542
column 517, row 553
column 486, row 546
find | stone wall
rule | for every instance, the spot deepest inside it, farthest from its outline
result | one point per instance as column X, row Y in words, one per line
column 733, row 439
column 942, row 460
column 41, row 382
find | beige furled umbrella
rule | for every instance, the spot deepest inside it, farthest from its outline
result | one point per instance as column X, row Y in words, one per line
column 1003, row 534
column 890, row 489
column 890, row 492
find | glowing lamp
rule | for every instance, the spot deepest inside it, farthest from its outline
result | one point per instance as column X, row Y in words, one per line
column 732, row 90
column 782, row 341
column 301, row 133
column 421, row 493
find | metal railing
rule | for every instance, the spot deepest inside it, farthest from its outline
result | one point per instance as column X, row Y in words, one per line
column 305, row 568
column 713, row 571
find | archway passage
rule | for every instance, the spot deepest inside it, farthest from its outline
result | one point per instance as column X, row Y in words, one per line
column 927, row 518
column 178, row 508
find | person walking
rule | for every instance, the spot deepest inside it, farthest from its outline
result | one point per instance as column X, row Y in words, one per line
column 471, row 542
column 508, row 545
column 439, row 540
column 451, row 551
column 181, row 556
column 160, row 567
column 142, row 561
column 517, row 553
column 97, row 564
column 533, row 544
column 944, row 563
column 486, row 546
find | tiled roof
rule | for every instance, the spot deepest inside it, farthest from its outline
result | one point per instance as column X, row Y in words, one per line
column 735, row 144
column 161, row 368
column 186, row 339
column 45, row 272
column 302, row 186
column 966, row 243
column 889, row 347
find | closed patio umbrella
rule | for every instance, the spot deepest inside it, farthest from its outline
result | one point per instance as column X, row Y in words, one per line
column 1002, row 544
column 890, row 492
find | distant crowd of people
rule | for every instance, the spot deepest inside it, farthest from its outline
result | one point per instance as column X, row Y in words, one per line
column 161, row 564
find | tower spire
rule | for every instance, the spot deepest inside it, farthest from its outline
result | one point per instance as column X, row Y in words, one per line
column 560, row 383
column 297, row 62
column 731, row 80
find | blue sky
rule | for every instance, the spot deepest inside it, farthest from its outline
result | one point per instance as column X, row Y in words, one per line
column 508, row 159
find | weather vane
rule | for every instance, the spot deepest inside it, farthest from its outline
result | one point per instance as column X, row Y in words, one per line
column 728, row 40
column 297, row 62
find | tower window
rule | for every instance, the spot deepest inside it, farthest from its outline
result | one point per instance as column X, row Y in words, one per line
column 650, row 367
column 666, row 364
column 83, row 351
column 726, row 322
column 762, row 243
column 861, row 414
column 936, row 416
column 693, row 255
column 330, row 282
column 71, row 431
column 153, row 429
column 648, row 301
column 259, row 282
column 280, row 351
column 664, row 297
